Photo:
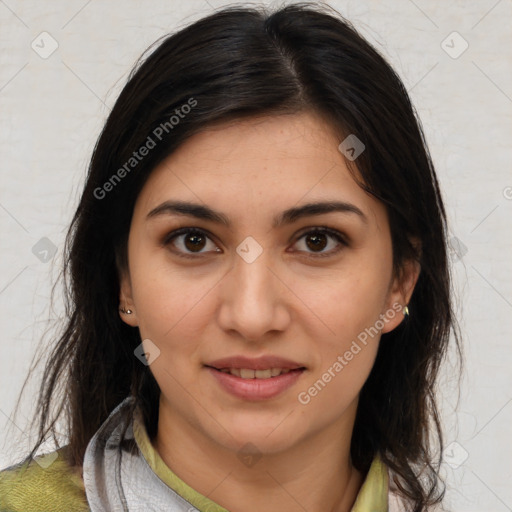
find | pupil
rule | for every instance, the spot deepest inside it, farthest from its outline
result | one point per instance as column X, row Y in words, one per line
column 192, row 241
column 318, row 241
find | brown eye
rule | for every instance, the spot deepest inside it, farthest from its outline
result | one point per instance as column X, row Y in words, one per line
column 194, row 241
column 316, row 240
column 187, row 241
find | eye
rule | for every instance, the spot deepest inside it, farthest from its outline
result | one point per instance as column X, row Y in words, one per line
column 317, row 239
column 189, row 239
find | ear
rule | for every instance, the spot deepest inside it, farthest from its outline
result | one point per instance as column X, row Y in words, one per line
column 126, row 300
column 399, row 295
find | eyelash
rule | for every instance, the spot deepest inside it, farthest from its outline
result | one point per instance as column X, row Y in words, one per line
column 339, row 237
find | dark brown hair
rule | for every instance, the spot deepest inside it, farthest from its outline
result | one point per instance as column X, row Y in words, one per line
column 235, row 63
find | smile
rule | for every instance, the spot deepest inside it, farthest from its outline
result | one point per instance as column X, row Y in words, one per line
column 255, row 385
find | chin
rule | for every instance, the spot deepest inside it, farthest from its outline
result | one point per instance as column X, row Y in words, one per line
column 267, row 435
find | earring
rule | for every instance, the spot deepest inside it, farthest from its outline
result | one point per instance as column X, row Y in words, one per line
column 406, row 311
column 125, row 311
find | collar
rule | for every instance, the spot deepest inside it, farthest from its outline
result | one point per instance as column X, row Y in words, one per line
column 123, row 471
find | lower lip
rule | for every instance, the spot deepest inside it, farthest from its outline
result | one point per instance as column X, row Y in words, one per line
column 256, row 389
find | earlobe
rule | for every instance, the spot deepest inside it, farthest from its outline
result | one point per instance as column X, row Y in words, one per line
column 397, row 305
column 127, row 310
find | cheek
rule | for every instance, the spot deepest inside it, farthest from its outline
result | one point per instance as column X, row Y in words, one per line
column 344, row 303
column 335, row 388
column 170, row 303
column 346, row 350
column 346, row 327
column 164, row 310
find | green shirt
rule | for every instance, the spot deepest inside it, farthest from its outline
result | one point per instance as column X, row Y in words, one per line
column 49, row 484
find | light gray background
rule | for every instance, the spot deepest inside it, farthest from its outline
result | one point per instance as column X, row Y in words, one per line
column 52, row 110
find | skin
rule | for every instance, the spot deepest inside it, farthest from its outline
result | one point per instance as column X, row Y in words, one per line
column 287, row 303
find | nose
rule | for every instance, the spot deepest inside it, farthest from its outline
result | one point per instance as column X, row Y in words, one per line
column 253, row 300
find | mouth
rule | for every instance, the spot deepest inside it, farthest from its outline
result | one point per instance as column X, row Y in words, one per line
column 255, row 379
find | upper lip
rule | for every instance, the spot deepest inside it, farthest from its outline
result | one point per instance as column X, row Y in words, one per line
column 257, row 363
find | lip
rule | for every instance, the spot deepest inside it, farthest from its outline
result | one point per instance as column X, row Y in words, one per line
column 257, row 363
column 255, row 389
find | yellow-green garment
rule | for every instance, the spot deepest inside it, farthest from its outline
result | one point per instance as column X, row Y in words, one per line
column 34, row 487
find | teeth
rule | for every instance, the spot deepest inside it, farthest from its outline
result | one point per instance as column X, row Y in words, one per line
column 263, row 374
column 246, row 373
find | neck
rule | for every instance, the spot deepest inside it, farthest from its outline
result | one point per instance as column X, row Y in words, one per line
column 314, row 475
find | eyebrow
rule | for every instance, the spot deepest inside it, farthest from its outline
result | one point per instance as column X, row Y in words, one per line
column 289, row 216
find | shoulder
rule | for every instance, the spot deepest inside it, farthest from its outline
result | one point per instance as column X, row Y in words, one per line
column 47, row 483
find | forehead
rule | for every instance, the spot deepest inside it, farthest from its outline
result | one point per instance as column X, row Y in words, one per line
column 258, row 165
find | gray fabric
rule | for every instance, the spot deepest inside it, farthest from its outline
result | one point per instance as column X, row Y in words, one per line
column 116, row 475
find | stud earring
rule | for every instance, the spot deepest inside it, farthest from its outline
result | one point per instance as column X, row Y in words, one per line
column 125, row 311
column 406, row 311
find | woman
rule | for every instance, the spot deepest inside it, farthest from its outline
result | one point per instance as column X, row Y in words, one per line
column 259, row 290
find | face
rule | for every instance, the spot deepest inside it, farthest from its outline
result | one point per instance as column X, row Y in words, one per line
column 263, row 325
